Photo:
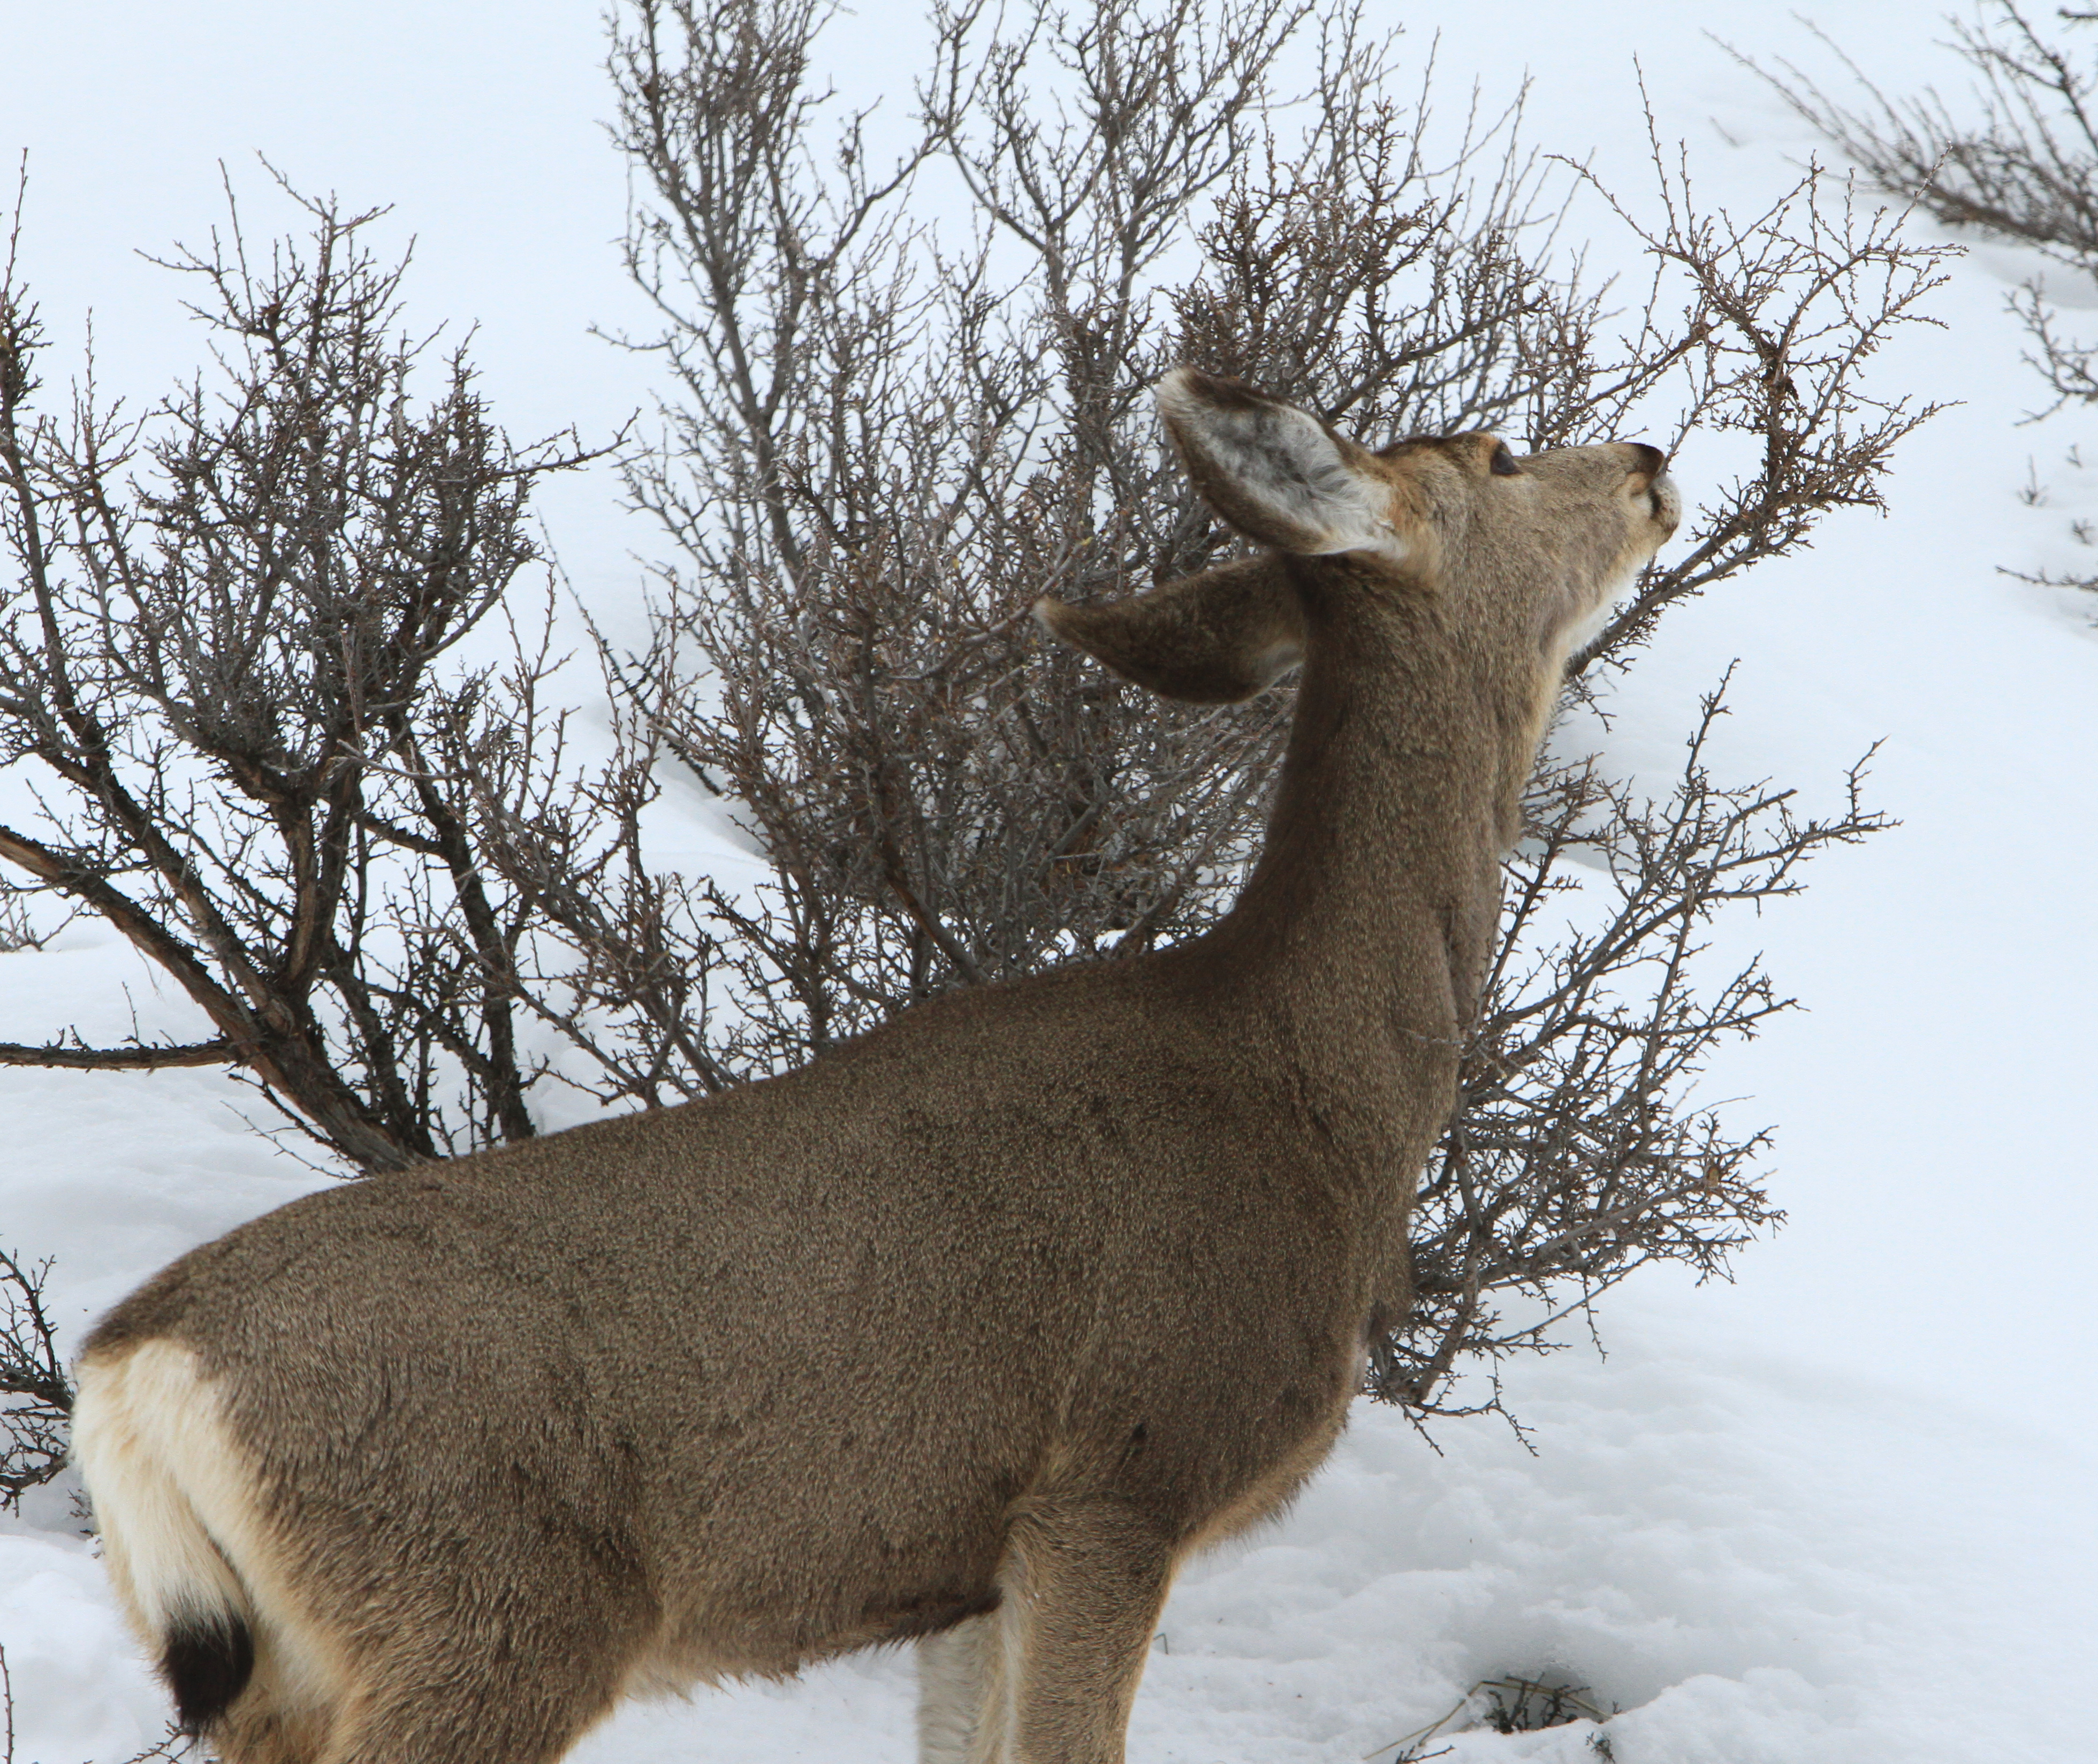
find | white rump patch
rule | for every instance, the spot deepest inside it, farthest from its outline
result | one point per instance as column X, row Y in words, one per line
column 144, row 1425
column 173, row 1493
column 1281, row 460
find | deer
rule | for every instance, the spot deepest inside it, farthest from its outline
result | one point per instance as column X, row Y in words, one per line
column 969, row 1333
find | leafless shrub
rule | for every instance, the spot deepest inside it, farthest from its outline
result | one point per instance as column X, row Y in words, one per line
column 884, row 442
column 15, row 931
column 2026, row 171
column 225, row 652
column 2018, row 162
column 1578, row 1153
column 1510, row 1704
column 1516, row 1704
column 35, row 1397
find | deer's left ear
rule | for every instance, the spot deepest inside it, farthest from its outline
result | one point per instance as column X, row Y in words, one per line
column 1277, row 473
column 1213, row 638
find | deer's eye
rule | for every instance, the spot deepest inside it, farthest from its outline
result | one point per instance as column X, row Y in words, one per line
column 1502, row 464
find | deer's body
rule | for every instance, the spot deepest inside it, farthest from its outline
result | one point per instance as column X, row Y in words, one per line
column 971, row 1331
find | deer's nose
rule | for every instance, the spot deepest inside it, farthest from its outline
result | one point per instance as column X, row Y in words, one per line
column 1652, row 460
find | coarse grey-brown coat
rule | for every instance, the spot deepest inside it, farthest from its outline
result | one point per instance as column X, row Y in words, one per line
column 968, row 1331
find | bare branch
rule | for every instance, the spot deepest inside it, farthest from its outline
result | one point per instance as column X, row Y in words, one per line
column 35, row 1397
column 143, row 1058
column 222, row 650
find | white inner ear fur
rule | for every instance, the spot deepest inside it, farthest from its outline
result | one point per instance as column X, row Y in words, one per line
column 1281, row 460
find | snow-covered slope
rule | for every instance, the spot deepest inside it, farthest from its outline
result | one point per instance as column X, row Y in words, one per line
column 1838, row 1510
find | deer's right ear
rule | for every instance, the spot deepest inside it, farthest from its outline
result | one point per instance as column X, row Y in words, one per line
column 1278, row 474
column 1213, row 638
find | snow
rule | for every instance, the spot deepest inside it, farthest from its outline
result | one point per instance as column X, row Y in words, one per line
column 1836, row 1511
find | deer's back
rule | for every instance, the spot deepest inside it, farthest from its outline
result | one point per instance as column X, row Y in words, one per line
column 1081, row 1227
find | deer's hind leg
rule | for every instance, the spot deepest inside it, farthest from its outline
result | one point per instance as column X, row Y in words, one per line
column 432, row 1709
column 490, row 1665
column 434, row 1700
column 1085, row 1584
column 257, row 1730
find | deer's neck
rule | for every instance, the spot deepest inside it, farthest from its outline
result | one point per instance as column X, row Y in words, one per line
column 1373, row 907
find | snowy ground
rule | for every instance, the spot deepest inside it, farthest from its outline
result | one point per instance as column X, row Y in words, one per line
column 1839, row 1511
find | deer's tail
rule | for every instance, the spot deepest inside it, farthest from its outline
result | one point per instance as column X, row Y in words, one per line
column 176, row 1510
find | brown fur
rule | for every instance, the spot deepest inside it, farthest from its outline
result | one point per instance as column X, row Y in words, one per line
column 970, row 1330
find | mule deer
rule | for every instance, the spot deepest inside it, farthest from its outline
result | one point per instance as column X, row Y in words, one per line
column 970, row 1331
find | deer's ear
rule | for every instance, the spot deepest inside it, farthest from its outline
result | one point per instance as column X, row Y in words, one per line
column 1213, row 638
column 1277, row 473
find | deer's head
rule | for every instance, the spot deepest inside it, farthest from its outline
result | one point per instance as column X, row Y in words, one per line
column 1512, row 559
column 1527, row 548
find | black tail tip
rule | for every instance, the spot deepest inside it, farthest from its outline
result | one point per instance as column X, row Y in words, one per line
column 207, row 1662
